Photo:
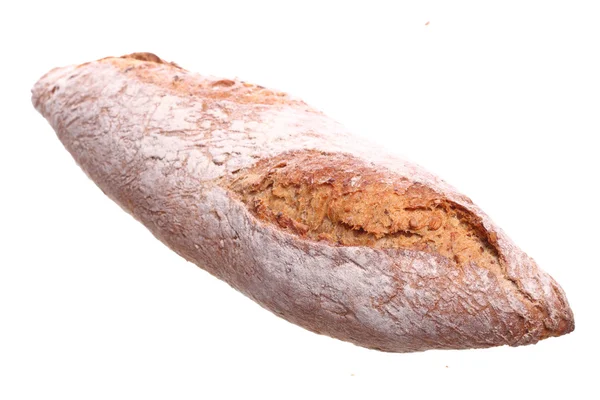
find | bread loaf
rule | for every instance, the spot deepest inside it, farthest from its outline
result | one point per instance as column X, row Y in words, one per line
column 282, row 203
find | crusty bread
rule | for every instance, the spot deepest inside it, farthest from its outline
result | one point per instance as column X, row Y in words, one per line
column 286, row 206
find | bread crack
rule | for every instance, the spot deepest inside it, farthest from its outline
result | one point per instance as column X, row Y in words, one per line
column 315, row 196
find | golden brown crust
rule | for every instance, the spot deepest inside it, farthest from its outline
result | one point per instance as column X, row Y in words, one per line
column 149, row 68
column 337, row 198
column 144, row 56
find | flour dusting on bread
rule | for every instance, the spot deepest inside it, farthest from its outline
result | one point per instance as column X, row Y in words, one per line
column 323, row 229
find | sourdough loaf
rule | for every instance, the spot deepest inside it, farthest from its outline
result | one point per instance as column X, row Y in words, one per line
column 281, row 202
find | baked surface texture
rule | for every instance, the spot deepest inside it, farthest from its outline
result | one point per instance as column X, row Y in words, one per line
column 285, row 205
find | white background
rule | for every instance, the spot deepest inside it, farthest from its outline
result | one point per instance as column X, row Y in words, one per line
column 501, row 99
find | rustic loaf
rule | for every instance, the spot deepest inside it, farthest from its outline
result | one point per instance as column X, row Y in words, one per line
column 286, row 206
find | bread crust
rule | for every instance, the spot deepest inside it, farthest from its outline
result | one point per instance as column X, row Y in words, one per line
column 165, row 143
